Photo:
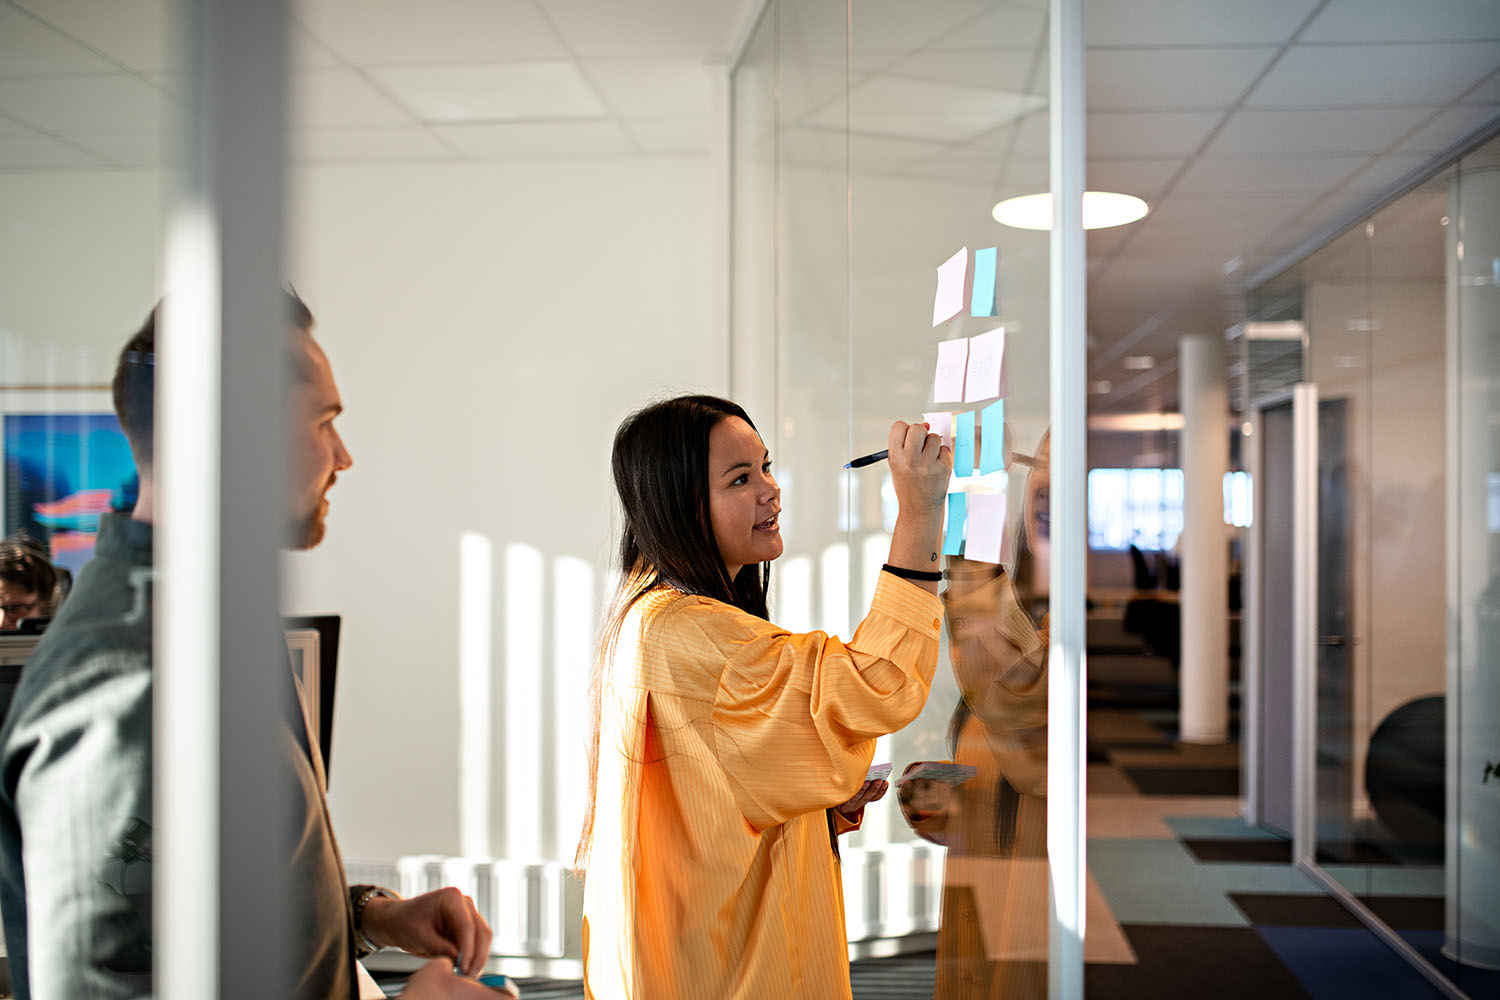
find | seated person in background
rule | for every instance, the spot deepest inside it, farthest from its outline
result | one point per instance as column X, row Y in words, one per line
column 727, row 753
column 28, row 582
column 76, row 798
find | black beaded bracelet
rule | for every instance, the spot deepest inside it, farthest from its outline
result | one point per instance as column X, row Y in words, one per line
column 912, row 574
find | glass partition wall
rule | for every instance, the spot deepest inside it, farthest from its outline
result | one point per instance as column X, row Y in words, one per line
column 870, row 144
column 1400, row 319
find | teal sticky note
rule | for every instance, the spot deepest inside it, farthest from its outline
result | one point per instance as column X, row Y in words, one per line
column 963, row 445
column 992, row 444
column 953, row 537
column 986, row 269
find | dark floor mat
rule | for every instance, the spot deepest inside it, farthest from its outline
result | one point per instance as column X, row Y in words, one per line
column 1361, row 852
column 1185, row 780
column 1226, row 963
column 1408, row 913
column 1274, row 909
column 1261, row 851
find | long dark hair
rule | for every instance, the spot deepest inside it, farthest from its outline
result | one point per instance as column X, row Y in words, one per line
column 660, row 465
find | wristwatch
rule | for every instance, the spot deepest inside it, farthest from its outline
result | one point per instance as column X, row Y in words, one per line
column 362, row 944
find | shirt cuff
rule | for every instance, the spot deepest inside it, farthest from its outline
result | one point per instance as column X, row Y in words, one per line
column 909, row 604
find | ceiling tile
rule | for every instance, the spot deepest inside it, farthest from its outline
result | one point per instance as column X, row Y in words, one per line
column 1321, row 130
column 519, row 140
column 309, row 53
column 1443, row 130
column 495, row 92
column 365, row 145
column 1250, row 175
column 1003, row 26
column 102, row 104
column 29, row 47
column 703, row 29
column 1148, row 133
column 40, row 152
column 1487, row 91
column 400, row 33
column 655, row 88
column 895, row 106
column 891, row 25
column 135, row 33
column 340, row 98
column 967, row 164
column 1003, row 70
column 1404, row 21
column 670, row 136
column 1192, row 22
column 1171, row 78
column 1142, row 178
column 138, row 150
column 1384, row 173
column 1332, row 75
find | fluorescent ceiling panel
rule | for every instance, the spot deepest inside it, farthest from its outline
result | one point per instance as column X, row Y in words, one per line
column 102, row 104
column 895, row 106
column 134, row 33
column 1320, row 130
column 655, row 88
column 1192, row 22
column 529, row 140
column 1326, row 75
column 1405, row 21
column 496, row 92
column 1171, row 78
column 402, row 33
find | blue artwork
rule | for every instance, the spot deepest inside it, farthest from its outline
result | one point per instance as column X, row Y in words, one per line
column 62, row 471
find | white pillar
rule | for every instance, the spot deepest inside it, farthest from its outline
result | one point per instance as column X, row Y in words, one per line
column 1473, row 839
column 1204, row 548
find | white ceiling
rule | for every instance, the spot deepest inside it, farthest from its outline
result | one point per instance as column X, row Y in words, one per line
column 1249, row 126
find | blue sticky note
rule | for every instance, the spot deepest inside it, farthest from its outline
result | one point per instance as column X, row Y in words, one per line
column 986, row 267
column 953, row 537
column 963, row 445
column 992, row 445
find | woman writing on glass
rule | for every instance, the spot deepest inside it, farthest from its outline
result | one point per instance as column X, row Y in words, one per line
column 726, row 752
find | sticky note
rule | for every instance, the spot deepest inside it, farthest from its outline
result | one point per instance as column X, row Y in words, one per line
column 948, row 383
column 982, row 300
column 963, row 444
column 992, row 441
column 940, row 424
column 879, row 772
column 951, row 275
column 986, row 520
column 953, row 534
column 986, row 356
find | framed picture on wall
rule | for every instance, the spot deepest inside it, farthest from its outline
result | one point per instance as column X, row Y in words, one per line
column 66, row 463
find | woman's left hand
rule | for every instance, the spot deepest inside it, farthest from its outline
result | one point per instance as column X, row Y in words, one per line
column 868, row 792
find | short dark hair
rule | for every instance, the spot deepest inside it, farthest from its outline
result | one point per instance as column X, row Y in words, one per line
column 24, row 564
column 134, row 385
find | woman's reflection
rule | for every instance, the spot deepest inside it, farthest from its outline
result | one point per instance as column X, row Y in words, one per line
column 993, row 939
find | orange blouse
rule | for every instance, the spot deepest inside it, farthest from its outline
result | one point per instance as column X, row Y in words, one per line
column 722, row 741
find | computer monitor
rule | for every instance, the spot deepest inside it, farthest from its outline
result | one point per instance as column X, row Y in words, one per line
column 312, row 643
column 15, row 650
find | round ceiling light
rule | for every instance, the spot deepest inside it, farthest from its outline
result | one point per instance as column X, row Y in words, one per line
column 1101, row 210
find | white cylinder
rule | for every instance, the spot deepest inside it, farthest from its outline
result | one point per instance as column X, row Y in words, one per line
column 1473, row 821
column 1204, row 549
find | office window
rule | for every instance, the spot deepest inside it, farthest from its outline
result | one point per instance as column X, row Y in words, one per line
column 1143, row 507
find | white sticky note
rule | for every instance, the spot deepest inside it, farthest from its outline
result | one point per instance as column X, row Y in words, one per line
column 879, row 772
column 986, row 527
column 986, row 358
column 940, row 424
column 948, row 383
column 951, row 275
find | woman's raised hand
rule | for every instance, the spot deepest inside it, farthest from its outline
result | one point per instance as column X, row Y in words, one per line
column 921, row 466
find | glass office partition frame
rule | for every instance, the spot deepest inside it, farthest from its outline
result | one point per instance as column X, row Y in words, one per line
column 896, row 131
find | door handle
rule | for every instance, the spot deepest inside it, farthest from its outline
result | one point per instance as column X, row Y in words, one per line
column 1330, row 640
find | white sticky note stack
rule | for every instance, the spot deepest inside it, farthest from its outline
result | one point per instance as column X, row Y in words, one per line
column 953, row 360
column 986, row 362
column 986, row 527
column 952, row 275
column 940, row 424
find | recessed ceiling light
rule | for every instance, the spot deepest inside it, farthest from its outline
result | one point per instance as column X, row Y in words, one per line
column 1138, row 362
column 1101, row 210
column 1102, row 386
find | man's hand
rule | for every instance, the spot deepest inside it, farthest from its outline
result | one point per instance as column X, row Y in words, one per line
column 437, row 981
column 441, row 924
column 868, row 792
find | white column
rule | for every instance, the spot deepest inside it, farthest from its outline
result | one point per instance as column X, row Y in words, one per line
column 1204, row 548
column 1473, row 839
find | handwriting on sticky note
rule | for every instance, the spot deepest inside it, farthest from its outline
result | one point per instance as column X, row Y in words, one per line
column 986, row 357
column 940, row 424
column 963, row 444
column 948, row 382
column 939, row 770
column 986, row 270
column 879, row 772
column 992, row 438
column 951, row 274
column 986, row 519
column 953, row 534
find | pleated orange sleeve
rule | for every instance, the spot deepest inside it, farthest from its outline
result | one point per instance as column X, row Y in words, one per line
column 723, row 739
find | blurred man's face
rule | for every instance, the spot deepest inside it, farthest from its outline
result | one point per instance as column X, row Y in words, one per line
column 16, row 603
column 316, row 452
